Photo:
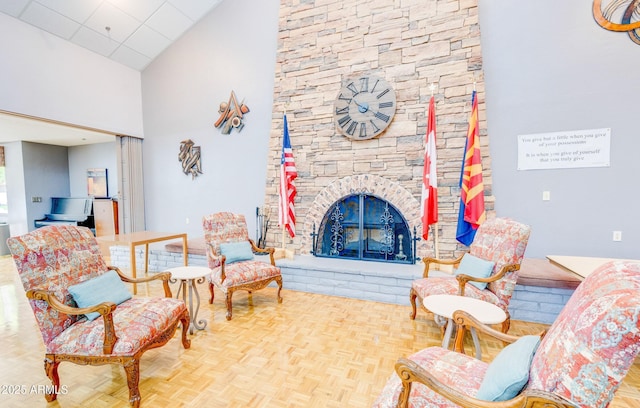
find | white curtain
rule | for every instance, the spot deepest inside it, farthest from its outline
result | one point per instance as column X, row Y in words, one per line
column 130, row 184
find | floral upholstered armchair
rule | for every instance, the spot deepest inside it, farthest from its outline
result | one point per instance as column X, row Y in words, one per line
column 230, row 253
column 85, row 313
column 579, row 362
column 489, row 271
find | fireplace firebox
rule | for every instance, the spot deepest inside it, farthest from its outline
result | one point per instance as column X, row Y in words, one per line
column 364, row 227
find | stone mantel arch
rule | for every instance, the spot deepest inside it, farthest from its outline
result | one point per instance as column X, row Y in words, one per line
column 388, row 190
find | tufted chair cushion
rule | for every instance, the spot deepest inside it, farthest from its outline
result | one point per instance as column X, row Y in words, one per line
column 459, row 371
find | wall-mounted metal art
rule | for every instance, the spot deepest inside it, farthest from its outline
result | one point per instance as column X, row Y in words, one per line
column 190, row 157
column 620, row 16
column 231, row 115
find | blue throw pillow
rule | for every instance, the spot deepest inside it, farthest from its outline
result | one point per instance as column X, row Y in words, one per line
column 476, row 267
column 236, row 251
column 508, row 373
column 107, row 287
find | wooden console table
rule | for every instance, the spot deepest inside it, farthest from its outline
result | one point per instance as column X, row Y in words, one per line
column 145, row 238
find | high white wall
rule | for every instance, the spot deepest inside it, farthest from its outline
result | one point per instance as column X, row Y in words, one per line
column 44, row 76
column 549, row 67
column 231, row 49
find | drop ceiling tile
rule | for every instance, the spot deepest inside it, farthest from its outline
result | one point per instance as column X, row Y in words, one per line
column 96, row 42
column 48, row 20
column 122, row 25
column 77, row 10
column 147, row 42
column 195, row 9
column 13, row 7
column 169, row 21
column 140, row 9
column 130, row 58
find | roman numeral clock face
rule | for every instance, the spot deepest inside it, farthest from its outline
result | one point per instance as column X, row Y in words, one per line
column 364, row 107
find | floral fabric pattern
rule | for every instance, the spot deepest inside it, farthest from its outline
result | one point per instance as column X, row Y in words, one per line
column 52, row 259
column 448, row 286
column 594, row 340
column 583, row 357
column 239, row 273
column 226, row 227
column 220, row 228
column 55, row 257
column 500, row 240
column 137, row 321
column 459, row 371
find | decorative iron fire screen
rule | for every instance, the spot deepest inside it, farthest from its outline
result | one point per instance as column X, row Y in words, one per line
column 364, row 227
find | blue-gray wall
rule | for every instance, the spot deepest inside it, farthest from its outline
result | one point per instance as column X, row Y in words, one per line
column 549, row 67
column 231, row 49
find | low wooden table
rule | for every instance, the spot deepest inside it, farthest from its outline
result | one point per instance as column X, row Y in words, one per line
column 133, row 239
column 445, row 305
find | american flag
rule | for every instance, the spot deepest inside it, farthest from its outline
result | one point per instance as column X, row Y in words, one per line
column 288, row 173
column 429, row 200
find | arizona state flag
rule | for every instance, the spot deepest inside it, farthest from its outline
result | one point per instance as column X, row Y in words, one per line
column 471, row 214
column 429, row 201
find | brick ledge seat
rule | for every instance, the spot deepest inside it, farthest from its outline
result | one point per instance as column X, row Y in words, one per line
column 195, row 246
column 533, row 271
column 542, row 273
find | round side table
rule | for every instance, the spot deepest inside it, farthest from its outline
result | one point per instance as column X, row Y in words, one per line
column 444, row 305
column 189, row 276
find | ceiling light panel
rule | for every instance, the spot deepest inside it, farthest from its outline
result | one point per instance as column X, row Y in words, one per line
column 96, row 42
column 147, row 42
column 77, row 10
column 169, row 21
column 122, row 25
column 49, row 20
column 140, row 9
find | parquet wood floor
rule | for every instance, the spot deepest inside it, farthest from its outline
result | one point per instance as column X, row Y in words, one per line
column 310, row 351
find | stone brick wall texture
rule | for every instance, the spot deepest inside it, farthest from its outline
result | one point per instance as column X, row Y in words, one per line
column 410, row 43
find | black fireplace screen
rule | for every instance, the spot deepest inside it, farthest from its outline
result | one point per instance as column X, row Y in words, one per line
column 364, row 227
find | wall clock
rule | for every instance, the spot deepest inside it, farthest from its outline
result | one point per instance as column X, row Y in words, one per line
column 364, row 107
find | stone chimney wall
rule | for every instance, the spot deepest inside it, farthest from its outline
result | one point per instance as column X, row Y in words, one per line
column 410, row 43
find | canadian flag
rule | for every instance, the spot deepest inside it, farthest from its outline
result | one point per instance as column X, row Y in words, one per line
column 429, row 202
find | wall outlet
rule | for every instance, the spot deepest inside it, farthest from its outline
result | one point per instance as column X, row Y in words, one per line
column 617, row 236
column 186, row 221
column 546, row 195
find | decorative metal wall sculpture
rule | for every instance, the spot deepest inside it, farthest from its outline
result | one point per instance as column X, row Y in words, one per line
column 231, row 115
column 190, row 157
column 619, row 15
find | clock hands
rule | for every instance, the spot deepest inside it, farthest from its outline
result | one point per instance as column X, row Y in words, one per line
column 362, row 108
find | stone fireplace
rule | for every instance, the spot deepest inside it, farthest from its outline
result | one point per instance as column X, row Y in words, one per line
column 412, row 45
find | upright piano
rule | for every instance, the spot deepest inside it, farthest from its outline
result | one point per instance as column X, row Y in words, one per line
column 70, row 211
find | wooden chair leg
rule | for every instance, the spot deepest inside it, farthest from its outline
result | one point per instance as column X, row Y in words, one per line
column 132, row 369
column 211, row 292
column 279, row 282
column 228, row 302
column 506, row 324
column 185, row 320
column 51, row 370
column 412, row 299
